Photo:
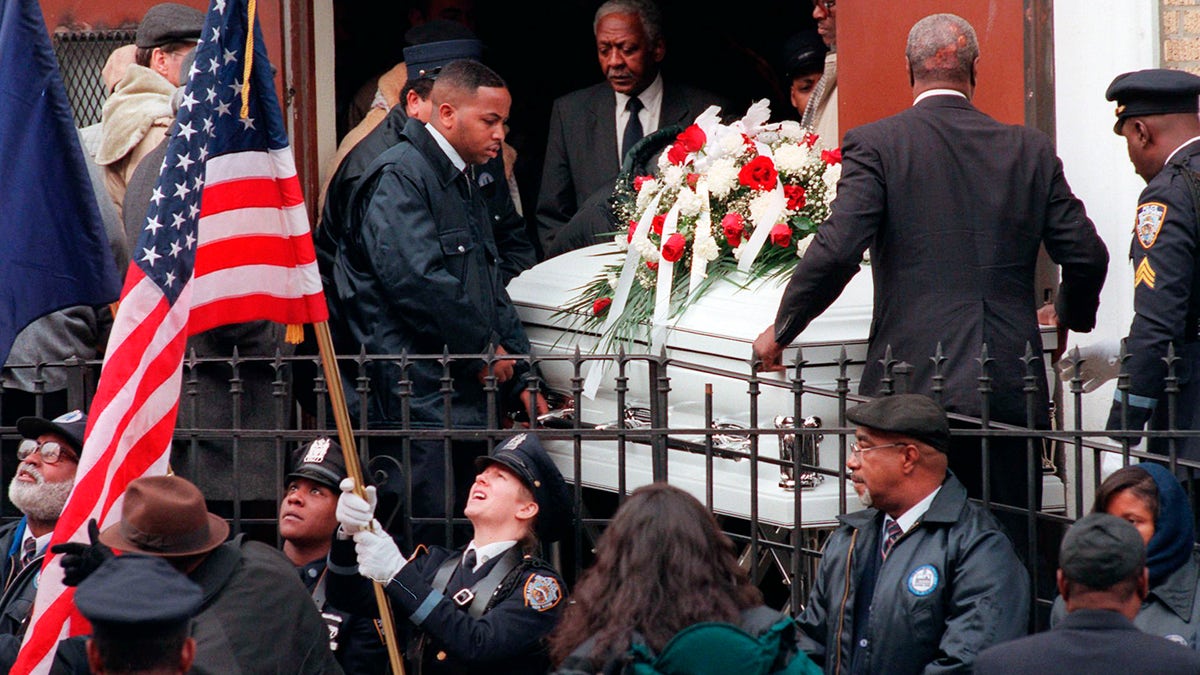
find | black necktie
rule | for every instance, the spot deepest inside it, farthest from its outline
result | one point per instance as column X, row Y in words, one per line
column 469, row 562
column 633, row 127
column 893, row 533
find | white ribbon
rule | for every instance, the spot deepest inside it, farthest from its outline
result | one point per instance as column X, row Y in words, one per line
column 598, row 369
column 762, row 227
column 666, row 274
column 702, row 237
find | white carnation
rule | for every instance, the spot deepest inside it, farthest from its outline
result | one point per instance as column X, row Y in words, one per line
column 646, row 194
column 791, row 158
column 621, row 240
column 760, row 206
column 737, row 252
column 706, row 248
column 646, row 248
column 791, row 130
column 732, row 143
column 802, row 246
column 722, row 177
column 673, row 174
column 689, row 203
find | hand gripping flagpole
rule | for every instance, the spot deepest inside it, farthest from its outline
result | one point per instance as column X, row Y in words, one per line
column 341, row 416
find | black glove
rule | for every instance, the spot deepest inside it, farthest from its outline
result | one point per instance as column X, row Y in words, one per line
column 80, row 560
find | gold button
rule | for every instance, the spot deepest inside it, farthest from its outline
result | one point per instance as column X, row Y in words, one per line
column 441, row 656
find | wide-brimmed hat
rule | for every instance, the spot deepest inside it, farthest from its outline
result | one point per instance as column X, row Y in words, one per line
column 165, row 516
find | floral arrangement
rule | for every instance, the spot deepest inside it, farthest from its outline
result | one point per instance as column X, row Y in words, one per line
column 735, row 201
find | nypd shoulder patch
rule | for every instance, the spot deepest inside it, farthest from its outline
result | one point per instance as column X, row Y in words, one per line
column 542, row 592
column 923, row 580
column 1150, row 219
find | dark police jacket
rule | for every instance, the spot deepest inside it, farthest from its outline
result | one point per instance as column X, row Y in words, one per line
column 508, row 637
column 954, row 206
column 417, row 272
column 951, row 587
column 1165, row 257
column 508, row 227
column 356, row 641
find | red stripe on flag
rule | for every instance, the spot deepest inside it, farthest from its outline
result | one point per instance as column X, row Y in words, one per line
column 254, row 250
column 249, row 308
column 246, row 193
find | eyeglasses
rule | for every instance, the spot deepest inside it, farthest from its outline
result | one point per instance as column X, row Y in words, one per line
column 857, row 450
column 51, row 451
column 825, row 4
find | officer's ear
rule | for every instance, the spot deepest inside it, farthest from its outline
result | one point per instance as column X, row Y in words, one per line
column 1140, row 132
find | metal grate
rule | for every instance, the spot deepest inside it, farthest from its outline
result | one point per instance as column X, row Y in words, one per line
column 81, row 56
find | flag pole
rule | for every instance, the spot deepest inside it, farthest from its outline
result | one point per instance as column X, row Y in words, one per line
column 341, row 416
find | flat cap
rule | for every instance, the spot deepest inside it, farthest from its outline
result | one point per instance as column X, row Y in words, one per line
column 320, row 460
column 137, row 592
column 426, row 60
column 524, row 455
column 169, row 22
column 804, row 53
column 1155, row 91
column 1100, row 550
column 913, row 415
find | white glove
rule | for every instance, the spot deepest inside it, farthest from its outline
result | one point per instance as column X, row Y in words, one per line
column 353, row 512
column 379, row 558
column 1099, row 363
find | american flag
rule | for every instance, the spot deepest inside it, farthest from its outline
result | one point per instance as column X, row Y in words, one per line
column 226, row 240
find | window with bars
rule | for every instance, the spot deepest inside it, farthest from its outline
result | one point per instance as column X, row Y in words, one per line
column 81, row 57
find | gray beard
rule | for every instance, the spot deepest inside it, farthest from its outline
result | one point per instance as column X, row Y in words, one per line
column 865, row 497
column 41, row 501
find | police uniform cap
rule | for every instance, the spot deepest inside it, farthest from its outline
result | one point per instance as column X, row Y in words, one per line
column 70, row 426
column 524, row 455
column 169, row 22
column 319, row 460
column 137, row 592
column 426, row 60
column 1100, row 550
column 804, row 53
column 914, row 415
column 1155, row 91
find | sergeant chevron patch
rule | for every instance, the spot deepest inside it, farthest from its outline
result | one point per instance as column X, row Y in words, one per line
column 1144, row 274
column 1150, row 219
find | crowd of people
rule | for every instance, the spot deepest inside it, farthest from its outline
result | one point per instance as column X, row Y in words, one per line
column 421, row 229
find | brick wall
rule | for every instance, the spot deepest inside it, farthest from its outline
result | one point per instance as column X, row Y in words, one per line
column 1180, row 26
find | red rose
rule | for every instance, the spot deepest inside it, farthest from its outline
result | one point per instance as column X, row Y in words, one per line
column 632, row 226
column 692, row 179
column 781, row 235
column 600, row 306
column 734, row 227
column 833, row 156
column 657, row 223
column 677, row 154
column 759, row 174
column 639, row 181
column 795, row 197
column 673, row 249
column 810, row 139
column 651, row 264
column 691, row 139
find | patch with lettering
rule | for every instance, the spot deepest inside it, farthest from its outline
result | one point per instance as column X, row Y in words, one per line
column 1144, row 274
column 923, row 580
column 1150, row 219
column 316, row 452
column 541, row 592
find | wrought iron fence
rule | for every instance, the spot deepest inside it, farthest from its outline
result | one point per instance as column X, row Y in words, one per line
column 765, row 453
column 81, row 56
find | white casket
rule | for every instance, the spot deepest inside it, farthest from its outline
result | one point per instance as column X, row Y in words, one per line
column 709, row 345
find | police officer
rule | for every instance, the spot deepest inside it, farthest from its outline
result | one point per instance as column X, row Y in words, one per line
column 306, row 524
column 1157, row 116
column 484, row 608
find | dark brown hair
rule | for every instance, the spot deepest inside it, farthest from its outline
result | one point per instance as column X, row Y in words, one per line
column 1131, row 478
column 663, row 564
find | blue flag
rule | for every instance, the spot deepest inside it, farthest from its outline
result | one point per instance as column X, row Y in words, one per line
column 54, row 253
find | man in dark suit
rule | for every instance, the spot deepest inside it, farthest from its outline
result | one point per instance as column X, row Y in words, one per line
column 1102, row 577
column 592, row 129
column 953, row 206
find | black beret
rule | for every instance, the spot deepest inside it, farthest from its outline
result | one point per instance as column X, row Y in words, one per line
column 70, row 426
column 1100, row 550
column 1155, row 91
column 137, row 592
column 804, row 53
column 169, row 22
column 913, row 415
column 426, row 60
column 524, row 455
column 320, row 461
